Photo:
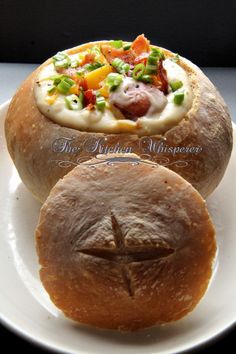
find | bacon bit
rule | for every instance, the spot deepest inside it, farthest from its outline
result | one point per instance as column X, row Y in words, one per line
column 89, row 98
column 90, row 107
column 140, row 45
column 88, row 58
column 163, row 77
column 160, row 80
column 111, row 53
column 156, row 81
column 128, row 57
column 82, row 83
column 142, row 58
column 137, row 54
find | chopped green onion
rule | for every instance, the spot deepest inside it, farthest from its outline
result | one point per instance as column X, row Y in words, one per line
column 138, row 71
column 62, row 64
column 117, row 44
column 61, row 60
column 178, row 98
column 69, row 81
column 151, row 69
column 60, row 56
column 93, row 66
column 81, row 98
column 63, row 87
column 146, row 78
column 175, row 85
column 100, row 102
column 56, row 78
column 152, row 60
column 52, row 89
column 158, row 52
column 120, row 66
column 95, row 50
column 65, row 84
column 74, row 63
column 127, row 46
column 80, row 72
column 73, row 103
column 176, row 58
column 114, row 80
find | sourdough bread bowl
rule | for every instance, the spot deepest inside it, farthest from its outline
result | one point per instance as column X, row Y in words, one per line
column 45, row 145
column 124, row 244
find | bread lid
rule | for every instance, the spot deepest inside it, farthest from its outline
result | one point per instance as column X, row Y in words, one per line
column 125, row 243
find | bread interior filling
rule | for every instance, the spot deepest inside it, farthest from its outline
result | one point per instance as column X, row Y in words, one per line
column 117, row 87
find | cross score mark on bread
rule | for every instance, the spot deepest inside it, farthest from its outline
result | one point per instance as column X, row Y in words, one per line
column 124, row 255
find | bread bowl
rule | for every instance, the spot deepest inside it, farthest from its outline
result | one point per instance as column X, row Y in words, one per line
column 187, row 129
column 124, row 243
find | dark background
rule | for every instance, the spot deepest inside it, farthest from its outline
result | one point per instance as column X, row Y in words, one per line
column 202, row 30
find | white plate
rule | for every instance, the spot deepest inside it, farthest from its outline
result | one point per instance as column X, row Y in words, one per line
column 25, row 307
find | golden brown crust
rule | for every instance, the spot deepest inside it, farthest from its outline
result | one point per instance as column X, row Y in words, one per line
column 125, row 245
column 207, row 125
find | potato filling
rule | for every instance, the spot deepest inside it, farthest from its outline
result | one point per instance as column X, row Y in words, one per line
column 117, row 87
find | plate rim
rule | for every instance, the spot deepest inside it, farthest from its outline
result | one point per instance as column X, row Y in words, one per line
column 46, row 345
column 17, row 330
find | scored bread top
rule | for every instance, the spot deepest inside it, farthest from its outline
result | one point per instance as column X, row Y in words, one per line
column 125, row 243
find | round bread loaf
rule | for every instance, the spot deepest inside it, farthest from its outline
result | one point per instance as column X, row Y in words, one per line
column 36, row 143
column 124, row 243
